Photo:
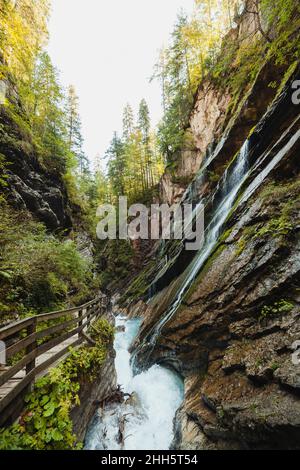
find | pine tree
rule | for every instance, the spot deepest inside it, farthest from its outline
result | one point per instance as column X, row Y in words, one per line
column 144, row 120
column 144, row 127
column 128, row 122
column 75, row 139
column 116, row 165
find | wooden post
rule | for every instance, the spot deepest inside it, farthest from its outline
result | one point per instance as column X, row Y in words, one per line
column 80, row 313
column 89, row 317
column 31, row 329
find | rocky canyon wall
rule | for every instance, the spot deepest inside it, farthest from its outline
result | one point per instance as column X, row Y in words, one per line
column 234, row 335
column 30, row 185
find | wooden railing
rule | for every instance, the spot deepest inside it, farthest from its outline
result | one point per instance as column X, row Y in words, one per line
column 33, row 337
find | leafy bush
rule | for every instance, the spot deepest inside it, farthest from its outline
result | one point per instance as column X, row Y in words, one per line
column 102, row 331
column 39, row 272
column 46, row 423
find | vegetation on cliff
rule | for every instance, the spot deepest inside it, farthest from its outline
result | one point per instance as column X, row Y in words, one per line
column 197, row 53
column 252, row 51
column 38, row 271
column 40, row 124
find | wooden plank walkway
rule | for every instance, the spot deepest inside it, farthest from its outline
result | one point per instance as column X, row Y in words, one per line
column 38, row 357
column 8, row 386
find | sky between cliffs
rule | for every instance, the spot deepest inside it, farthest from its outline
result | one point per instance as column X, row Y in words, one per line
column 107, row 49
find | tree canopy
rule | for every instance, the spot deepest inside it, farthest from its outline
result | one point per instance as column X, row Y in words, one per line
column 134, row 163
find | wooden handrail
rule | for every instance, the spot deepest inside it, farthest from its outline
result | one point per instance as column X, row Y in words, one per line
column 77, row 318
column 10, row 330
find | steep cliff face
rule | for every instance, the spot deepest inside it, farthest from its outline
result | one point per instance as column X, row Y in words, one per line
column 227, row 317
column 40, row 222
column 220, row 118
column 29, row 185
column 173, row 183
column 235, row 334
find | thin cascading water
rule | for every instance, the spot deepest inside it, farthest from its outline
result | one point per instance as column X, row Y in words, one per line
column 224, row 198
column 145, row 420
column 221, row 203
column 188, row 197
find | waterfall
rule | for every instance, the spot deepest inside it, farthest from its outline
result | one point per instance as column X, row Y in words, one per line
column 142, row 420
column 228, row 189
column 222, row 202
column 227, row 181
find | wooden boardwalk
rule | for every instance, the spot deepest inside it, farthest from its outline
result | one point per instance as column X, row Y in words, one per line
column 39, row 356
column 8, row 386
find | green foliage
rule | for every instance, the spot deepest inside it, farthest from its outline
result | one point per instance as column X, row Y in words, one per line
column 102, row 331
column 74, row 136
column 40, row 122
column 241, row 245
column 133, row 169
column 46, row 423
column 198, row 51
column 213, row 177
column 139, row 286
column 173, row 70
column 114, row 262
column 277, row 228
column 38, row 271
column 193, row 50
column 46, row 115
column 283, row 202
column 283, row 17
column 280, row 307
column 286, row 201
column 240, row 61
column 290, row 71
column 42, row 118
column 286, row 193
column 116, row 166
column 134, row 162
column 3, row 172
column 23, row 34
column 275, row 366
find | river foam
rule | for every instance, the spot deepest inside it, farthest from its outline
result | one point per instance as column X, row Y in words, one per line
column 148, row 417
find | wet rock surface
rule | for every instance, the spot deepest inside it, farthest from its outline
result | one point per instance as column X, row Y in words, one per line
column 234, row 336
column 30, row 186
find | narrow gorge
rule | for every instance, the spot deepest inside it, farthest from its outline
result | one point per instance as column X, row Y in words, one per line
column 170, row 348
column 227, row 318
